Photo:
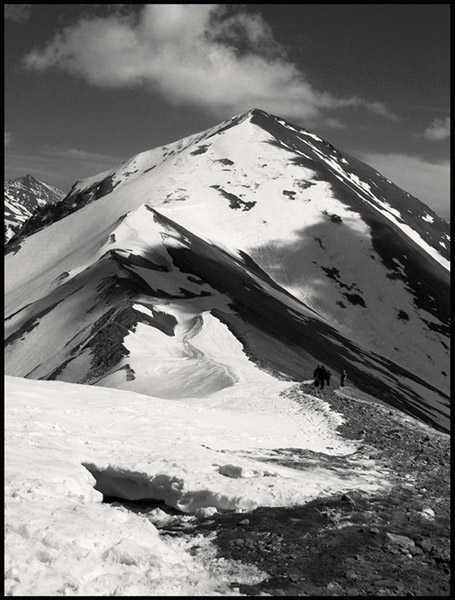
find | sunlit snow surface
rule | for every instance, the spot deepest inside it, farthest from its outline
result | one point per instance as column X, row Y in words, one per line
column 199, row 455
column 193, row 422
column 21, row 197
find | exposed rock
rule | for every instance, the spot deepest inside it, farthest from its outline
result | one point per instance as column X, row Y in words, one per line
column 401, row 540
column 389, row 583
column 347, row 498
column 416, row 551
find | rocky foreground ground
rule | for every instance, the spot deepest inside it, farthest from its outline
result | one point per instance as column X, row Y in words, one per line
column 390, row 544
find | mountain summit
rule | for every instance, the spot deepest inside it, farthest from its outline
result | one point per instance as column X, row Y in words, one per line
column 22, row 198
column 247, row 253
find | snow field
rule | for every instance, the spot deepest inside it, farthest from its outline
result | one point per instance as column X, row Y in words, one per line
column 196, row 455
column 381, row 205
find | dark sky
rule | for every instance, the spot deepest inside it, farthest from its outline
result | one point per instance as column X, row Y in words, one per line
column 87, row 86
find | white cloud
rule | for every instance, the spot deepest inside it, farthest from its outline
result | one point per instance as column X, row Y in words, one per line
column 199, row 54
column 81, row 155
column 334, row 123
column 438, row 130
column 60, row 167
column 8, row 139
column 430, row 182
column 17, row 12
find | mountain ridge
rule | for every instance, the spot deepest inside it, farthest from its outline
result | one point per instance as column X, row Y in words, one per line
column 219, row 231
column 94, row 187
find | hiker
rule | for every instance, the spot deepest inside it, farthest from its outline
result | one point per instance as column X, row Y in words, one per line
column 343, row 378
column 322, row 373
column 316, row 376
column 328, row 374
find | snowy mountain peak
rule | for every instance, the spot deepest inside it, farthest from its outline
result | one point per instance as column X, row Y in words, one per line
column 244, row 253
column 29, row 179
column 30, row 182
column 24, row 198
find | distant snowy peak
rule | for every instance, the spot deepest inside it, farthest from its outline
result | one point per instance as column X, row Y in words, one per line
column 31, row 192
column 23, row 197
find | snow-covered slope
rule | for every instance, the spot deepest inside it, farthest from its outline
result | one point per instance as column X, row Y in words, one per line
column 68, row 445
column 22, row 197
column 255, row 238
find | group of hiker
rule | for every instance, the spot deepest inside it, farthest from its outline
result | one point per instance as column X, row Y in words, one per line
column 322, row 376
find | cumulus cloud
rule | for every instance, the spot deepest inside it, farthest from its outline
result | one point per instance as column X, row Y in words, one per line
column 202, row 55
column 18, row 12
column 8, row 139
column 430, row 182
column 438, row 130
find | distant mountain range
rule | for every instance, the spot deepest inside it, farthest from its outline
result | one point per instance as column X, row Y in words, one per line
column 23, row 197
column 255, row 234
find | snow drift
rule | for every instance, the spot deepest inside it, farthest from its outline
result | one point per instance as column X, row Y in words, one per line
column 68, row 445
